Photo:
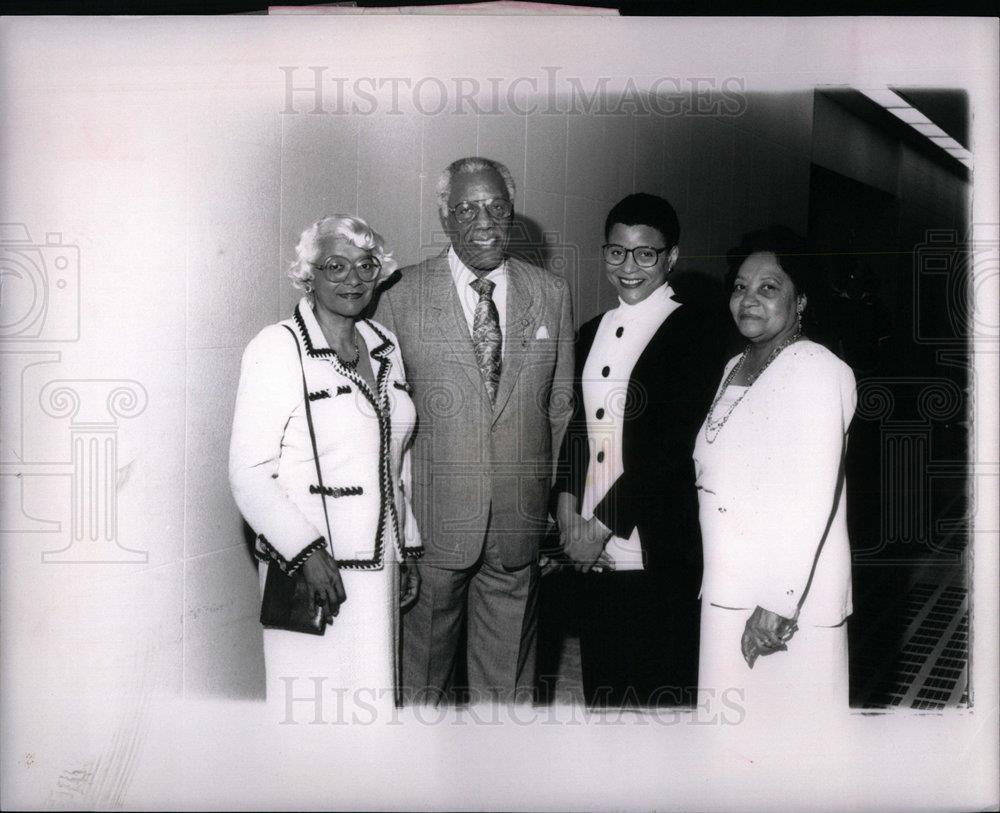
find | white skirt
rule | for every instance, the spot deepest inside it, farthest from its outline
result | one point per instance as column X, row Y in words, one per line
column 352, row 666
column 810, row 676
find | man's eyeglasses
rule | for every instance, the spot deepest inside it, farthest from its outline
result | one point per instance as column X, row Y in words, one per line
column 468, row 210
column 337, row 269
column 644, row 256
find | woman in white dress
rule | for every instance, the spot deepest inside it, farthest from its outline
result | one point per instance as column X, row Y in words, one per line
column 776, row 590
column 363, row 419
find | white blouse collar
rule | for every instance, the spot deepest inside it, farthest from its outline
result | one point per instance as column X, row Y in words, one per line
column 656, row 304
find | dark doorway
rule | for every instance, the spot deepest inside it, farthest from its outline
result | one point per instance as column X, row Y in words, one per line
column 906, row 460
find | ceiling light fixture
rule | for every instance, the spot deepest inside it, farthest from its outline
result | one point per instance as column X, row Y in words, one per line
column 895, row 104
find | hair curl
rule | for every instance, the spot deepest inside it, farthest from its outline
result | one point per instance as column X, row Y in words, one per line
column 352, row 229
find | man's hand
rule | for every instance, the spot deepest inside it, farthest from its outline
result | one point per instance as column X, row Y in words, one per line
column 765, row 633
column 547, row 565
column 409, row 583
column 322, row 577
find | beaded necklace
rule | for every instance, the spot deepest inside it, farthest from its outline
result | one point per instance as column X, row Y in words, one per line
column 351, row 365
column 712, row 425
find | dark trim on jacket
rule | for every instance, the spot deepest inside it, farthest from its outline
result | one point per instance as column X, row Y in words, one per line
column 669, row 392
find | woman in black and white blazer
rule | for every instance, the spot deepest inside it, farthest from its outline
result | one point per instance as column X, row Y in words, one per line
column 363, row 418
column 626, row 499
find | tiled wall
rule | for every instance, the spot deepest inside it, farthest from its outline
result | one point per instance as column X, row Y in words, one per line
column 186, row 214
column 724, row 175
column 186, row 208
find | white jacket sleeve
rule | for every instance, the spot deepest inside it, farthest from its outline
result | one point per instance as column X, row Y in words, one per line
column 270, row 389
column 800, row 475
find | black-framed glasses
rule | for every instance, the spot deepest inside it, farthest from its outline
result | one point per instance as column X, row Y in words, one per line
column 466, row 211
column 644, row 256
column 337, row 269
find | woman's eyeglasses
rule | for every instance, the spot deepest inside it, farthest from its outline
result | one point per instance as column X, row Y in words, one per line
column 644, row 256
column 468, row 210
column 337, row 269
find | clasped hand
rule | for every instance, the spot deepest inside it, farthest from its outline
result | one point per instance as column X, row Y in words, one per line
column 582, row 540
column 765, row 633
column 322, row 577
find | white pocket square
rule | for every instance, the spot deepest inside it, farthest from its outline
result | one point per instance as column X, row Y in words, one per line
column 542, row 333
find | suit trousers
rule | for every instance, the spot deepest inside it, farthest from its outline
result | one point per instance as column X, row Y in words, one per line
column 501, row 610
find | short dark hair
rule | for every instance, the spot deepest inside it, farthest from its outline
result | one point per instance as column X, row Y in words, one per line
column 794, row 254
column 643, row 209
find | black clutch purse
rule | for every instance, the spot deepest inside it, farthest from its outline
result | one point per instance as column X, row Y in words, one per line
column 287, row 603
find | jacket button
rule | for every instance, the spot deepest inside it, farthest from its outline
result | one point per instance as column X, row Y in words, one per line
column 619, row 332
column 600, row 457
column 600, row 413
column 606, row 371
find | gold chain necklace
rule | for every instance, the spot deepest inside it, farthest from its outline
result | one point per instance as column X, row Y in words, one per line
column 712, row 425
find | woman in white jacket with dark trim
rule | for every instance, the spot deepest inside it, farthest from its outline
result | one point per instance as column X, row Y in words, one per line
column 363, row 420
column 776, row 589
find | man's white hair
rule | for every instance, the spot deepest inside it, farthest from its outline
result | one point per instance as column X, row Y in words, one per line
column 462, row 166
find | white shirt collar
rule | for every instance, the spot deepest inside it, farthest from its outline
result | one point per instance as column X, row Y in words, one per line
column 463, row 275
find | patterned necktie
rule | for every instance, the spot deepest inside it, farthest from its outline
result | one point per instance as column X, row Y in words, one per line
column 486, row 336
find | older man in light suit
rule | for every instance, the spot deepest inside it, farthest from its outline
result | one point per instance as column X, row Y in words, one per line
column 487, row 341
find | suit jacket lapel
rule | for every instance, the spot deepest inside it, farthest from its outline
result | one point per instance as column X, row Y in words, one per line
column 522, row 309
column 443, row 313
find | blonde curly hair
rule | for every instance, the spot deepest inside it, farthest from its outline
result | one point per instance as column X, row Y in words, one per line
column 353, row 229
